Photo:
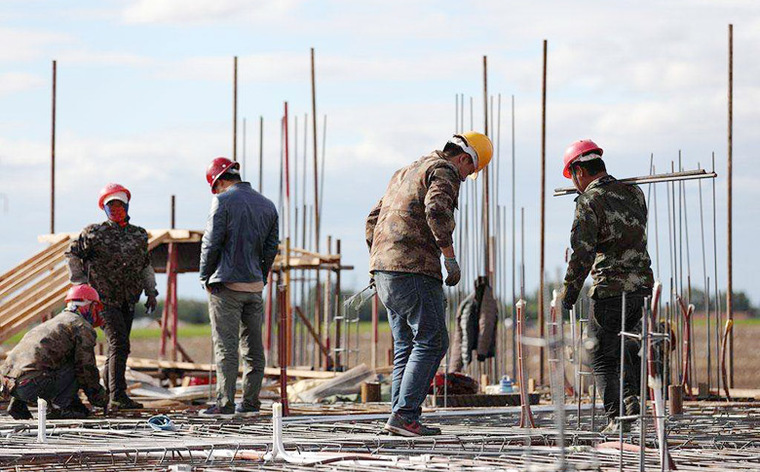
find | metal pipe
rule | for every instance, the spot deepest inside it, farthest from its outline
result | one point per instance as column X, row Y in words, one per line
column 52, row 150
column 514, row 237
column 234, row 109
column 650, row 179
column 316, row 168
column 730, row 211
column 261, row 154
column 543, row 218
column 486, row 174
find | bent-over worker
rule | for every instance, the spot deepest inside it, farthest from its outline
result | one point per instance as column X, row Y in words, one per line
column 57, row 358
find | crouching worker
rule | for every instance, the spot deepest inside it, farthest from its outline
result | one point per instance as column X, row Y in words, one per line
column 57, row 358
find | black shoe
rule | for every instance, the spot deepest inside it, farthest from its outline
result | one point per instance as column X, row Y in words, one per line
column 218, row 412
column 77, row 405
column 18, row 410
column 241, row 409
column 400, row 426
column 67, row 414
column 124, row 403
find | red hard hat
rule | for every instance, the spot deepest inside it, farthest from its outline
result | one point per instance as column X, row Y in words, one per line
column 576, row 150
column 82, row 292
column 109, row 190
column 217, row 168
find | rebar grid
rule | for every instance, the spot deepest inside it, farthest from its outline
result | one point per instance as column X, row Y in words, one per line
column 717, row 436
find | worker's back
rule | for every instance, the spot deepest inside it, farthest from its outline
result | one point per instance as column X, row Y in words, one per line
column 50, row 345
column 403, row 240
column 248, row 225
column 622, row 262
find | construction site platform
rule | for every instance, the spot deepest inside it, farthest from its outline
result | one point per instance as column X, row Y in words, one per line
column 708, row 436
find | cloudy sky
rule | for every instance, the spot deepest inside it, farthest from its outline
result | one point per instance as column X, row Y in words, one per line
column 145, row 99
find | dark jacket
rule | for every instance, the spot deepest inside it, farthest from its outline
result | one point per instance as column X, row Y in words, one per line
column 66, row 339
column 609, row 239
column 241, row 238
column 114, row 260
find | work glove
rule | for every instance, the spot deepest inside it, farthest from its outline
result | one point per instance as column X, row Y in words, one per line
column 453, row 271
column 150, row 304
column 99, row 398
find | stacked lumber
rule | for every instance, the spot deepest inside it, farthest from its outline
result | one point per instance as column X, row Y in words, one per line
column 38, row 285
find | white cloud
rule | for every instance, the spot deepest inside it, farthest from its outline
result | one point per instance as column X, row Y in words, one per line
column 12, row 82
column 204, row 11
column 28, row 44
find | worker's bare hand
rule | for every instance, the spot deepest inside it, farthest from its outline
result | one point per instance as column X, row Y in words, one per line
column 453, row 271
column 150, row 304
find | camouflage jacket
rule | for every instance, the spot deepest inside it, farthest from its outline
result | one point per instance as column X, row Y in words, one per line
column 114, row 260
column 609, row 239
column 64, row 339
column 414, row 220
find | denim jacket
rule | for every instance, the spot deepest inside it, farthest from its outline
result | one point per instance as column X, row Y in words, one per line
column 241, row 238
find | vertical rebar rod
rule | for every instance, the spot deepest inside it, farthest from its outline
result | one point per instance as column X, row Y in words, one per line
column 715, row 277
column 730, row 209
column 234, row 107
column 706, row 282
column 514, row 297
column 261, row 154
column 543, row 217
column 486, row 174
column 314, row 138
column 52, row 149
column 643, row 385
column 621, row 405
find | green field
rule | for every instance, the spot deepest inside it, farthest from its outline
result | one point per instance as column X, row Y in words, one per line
column 192, row 331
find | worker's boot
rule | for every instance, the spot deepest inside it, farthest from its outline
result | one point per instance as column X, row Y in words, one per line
column 67, row 413
column 18, row 409
column 613, row 427
column 77, row 406
column 400, row 426
column 123, row 402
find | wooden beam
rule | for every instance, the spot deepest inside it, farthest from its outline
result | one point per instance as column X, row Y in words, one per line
column 63, row 243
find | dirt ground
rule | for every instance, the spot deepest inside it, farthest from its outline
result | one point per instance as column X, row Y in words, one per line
column 746, row 371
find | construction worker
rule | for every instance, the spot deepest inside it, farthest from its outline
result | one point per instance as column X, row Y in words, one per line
column 57, row 358
column 237, row 253
column 113, row 257
column 406, row 233
column 609, row 240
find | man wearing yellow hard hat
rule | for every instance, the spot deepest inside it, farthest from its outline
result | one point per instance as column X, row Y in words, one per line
column 407, row 231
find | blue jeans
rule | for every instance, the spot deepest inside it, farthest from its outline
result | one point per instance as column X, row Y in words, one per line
column 417, row 315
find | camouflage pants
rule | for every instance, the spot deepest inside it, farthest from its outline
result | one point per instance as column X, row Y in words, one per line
column 118, row 326
column 236, row 319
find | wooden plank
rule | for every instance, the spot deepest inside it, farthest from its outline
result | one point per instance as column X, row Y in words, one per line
column 28, row 296
column 63, row 243
column 143, row 363
column 53, row 300
column 30, row 273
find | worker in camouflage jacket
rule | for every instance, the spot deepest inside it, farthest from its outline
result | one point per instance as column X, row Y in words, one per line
column 113, row 257
column 609, row 240
column 406, row 232
column 57, row 358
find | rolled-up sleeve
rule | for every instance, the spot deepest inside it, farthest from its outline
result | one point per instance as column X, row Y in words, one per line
column 440, row 201
column 583, row 239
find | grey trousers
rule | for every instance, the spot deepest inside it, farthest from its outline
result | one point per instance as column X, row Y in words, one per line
column 236, row 320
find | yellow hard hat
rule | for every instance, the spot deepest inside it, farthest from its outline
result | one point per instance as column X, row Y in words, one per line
column 478, row 146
